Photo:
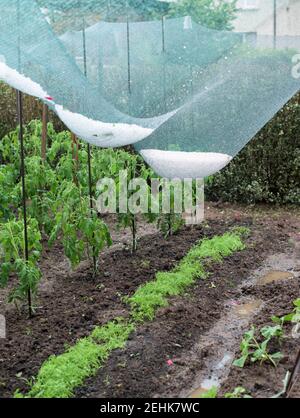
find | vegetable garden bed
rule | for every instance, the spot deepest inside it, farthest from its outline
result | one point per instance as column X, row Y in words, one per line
column 70, row 306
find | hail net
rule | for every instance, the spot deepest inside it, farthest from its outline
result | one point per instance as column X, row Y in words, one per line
column 188, row 91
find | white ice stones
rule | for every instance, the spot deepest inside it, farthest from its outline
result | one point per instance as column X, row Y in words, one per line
column 21, row 82
column 179, row 164
column 102, row 134
column 169, row 164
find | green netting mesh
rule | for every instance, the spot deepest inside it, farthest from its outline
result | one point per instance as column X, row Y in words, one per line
column 188, row 95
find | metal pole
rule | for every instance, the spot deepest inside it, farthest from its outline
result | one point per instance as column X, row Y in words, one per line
column 274, row 24
column 22, row 159
column 128, row 56
column 163, row 33
column 90, row 182
column 293, row 377
column 192, row 113
column 164, row 62
column 22, row 172
column 84, row 50
column 22, row 168
column 169, row 215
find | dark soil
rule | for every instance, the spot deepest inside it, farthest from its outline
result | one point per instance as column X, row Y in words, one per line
column 141, row 369
column 264, row 380
column 69, row 305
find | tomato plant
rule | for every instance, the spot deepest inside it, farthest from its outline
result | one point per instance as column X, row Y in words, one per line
column 12, row 257
column 57, row 198
column 81, row 234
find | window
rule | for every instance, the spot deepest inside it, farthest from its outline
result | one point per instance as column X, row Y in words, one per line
column 247, row 4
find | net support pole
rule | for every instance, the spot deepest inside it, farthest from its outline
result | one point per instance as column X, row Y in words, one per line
column 22, row 161
column 163, row 40
column 128, row 55
column 89, row 154
column 274, row 24
column 23, row 182
column 192, row 110
column 163, row 49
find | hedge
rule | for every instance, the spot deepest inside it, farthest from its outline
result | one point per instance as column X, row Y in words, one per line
column 267, row 170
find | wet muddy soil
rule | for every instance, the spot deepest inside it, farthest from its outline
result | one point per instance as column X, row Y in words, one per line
column 188, row 332
column 201, row 332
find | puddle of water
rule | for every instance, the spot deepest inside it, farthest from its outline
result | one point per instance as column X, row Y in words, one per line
column 225, row 337
column 275, row 276
column 225, row 360
column 247, row 309
column 199, row 392
column 208, row 384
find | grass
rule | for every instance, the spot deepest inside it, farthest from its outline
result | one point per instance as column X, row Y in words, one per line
column 60, row 375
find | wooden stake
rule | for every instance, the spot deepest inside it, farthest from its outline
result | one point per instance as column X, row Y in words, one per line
column 44, row 132
column 75, row 156
column 75, row 148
